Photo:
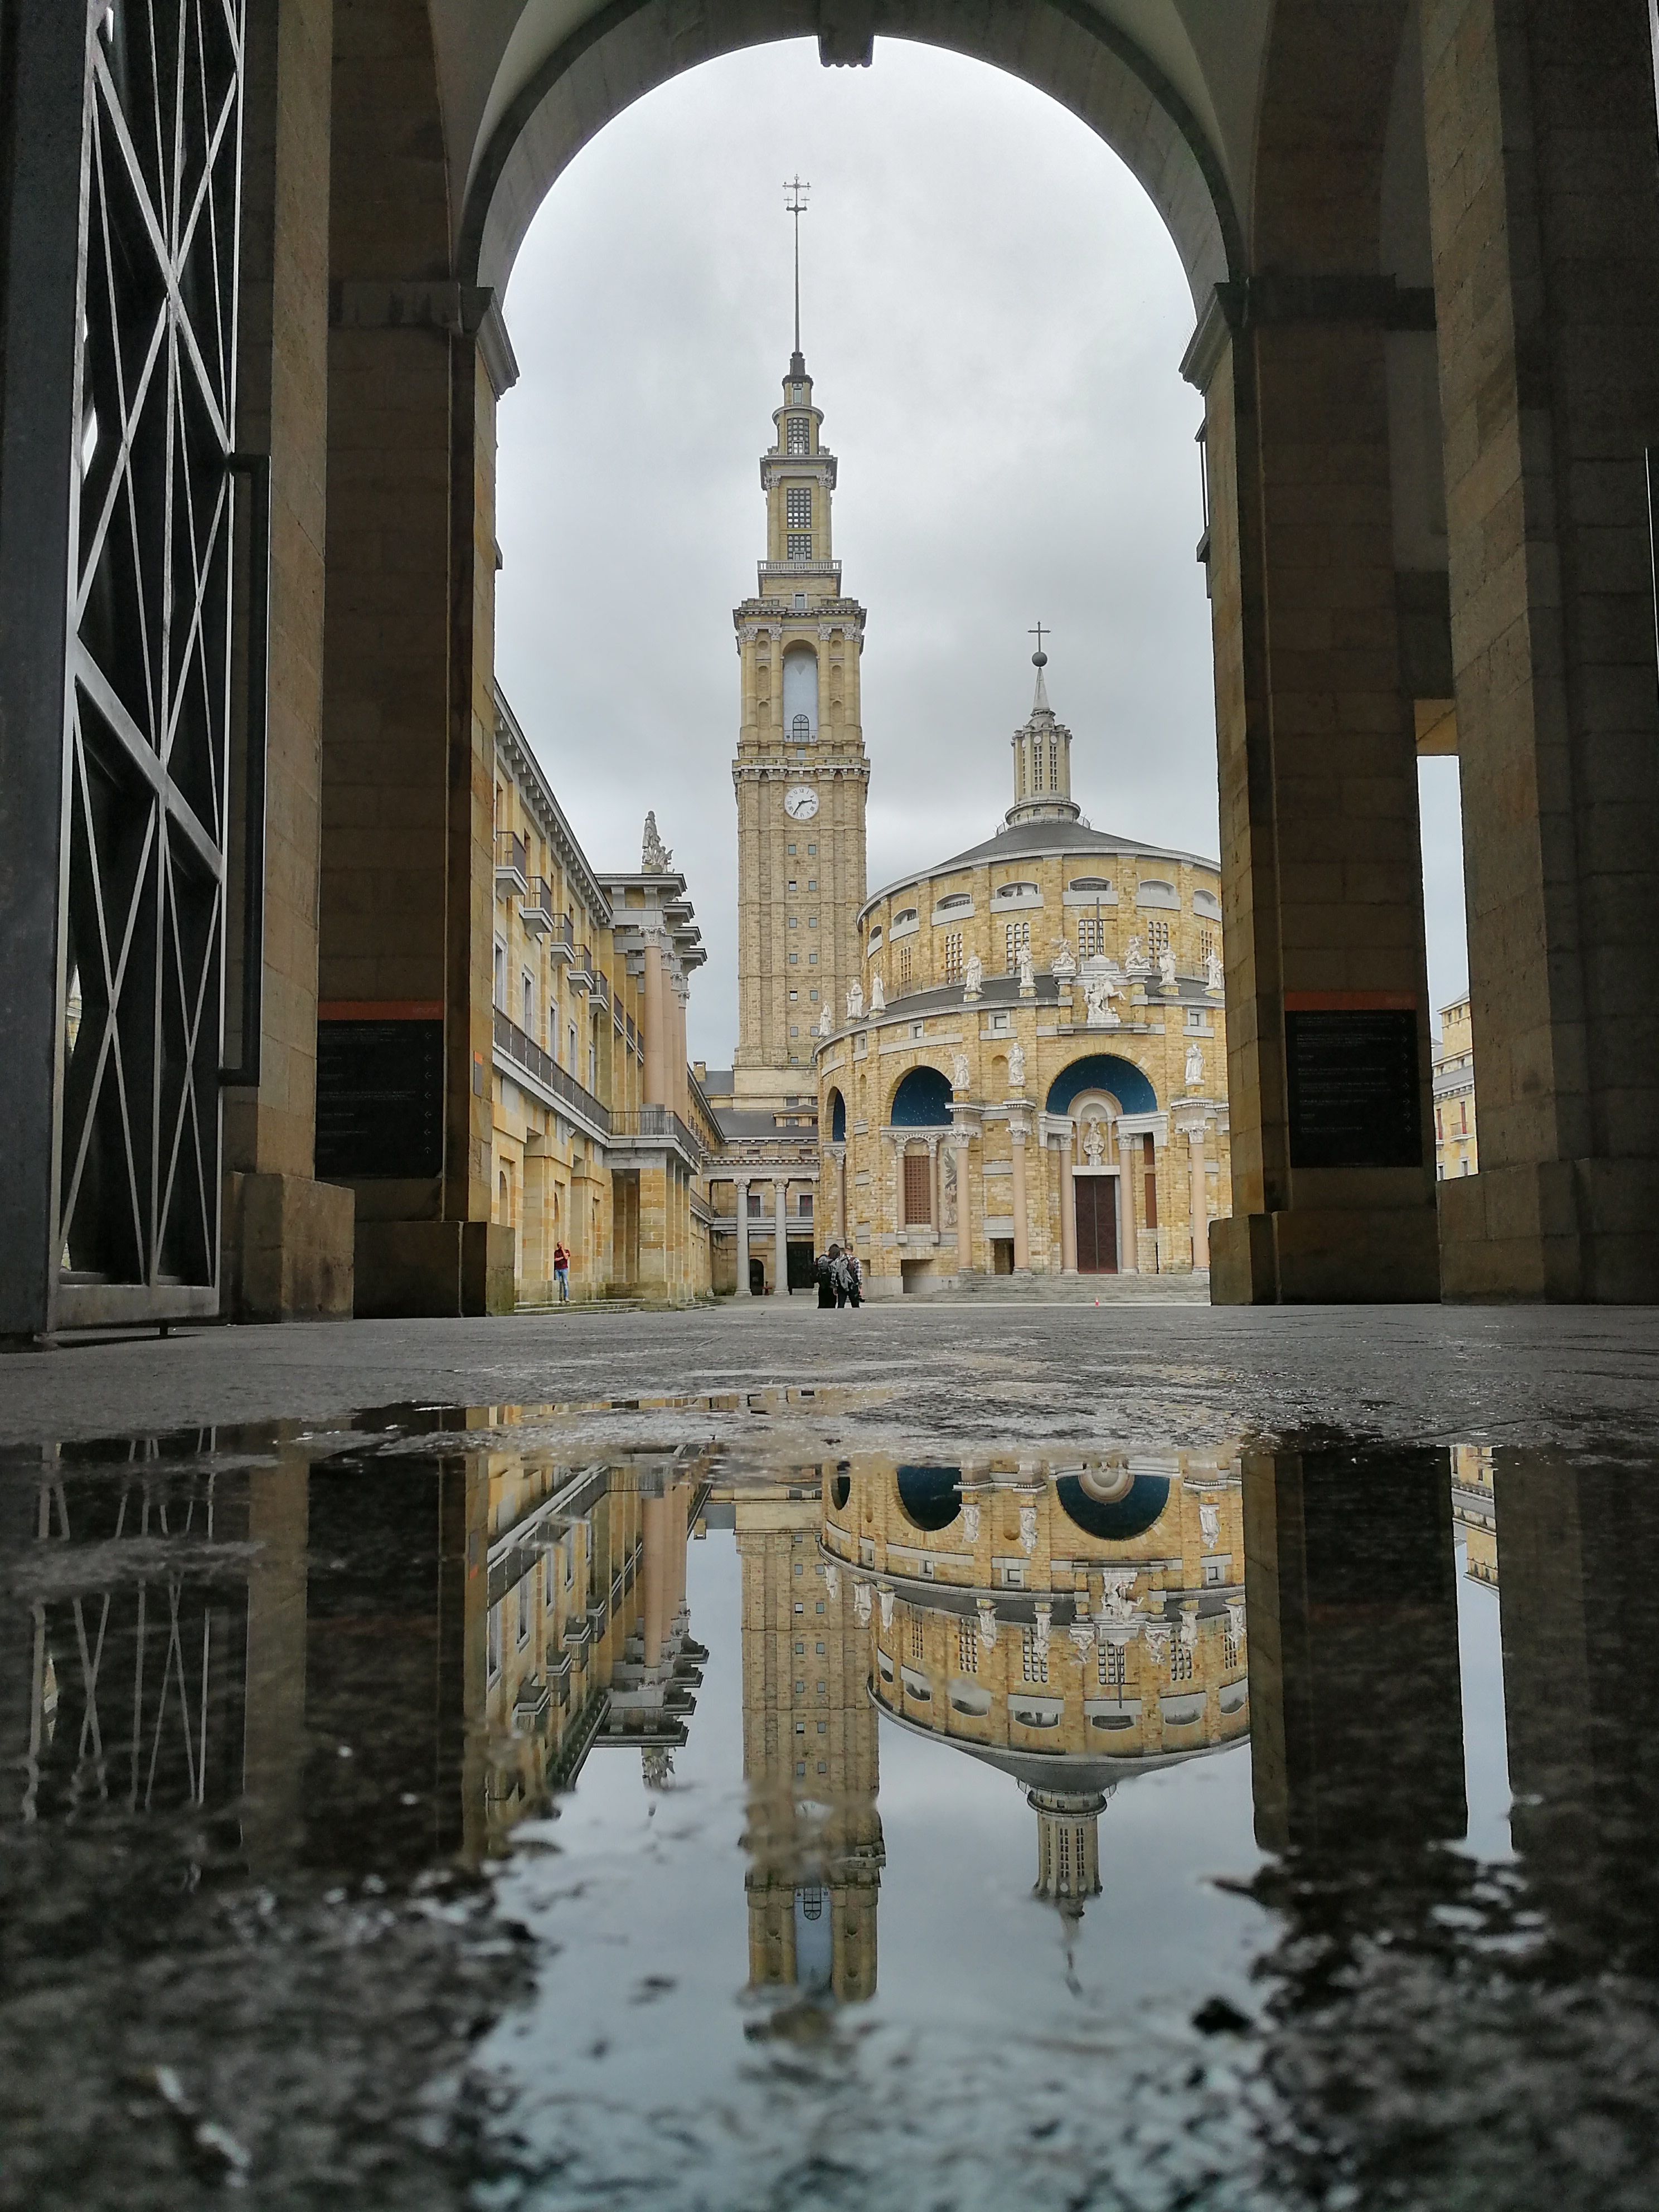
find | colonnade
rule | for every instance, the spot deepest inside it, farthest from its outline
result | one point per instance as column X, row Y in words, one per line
column 778, row 1227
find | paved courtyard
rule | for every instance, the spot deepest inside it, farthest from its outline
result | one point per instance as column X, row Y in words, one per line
column 1585, row 1377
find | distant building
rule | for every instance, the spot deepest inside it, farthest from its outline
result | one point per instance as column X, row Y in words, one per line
column 1456, row 1150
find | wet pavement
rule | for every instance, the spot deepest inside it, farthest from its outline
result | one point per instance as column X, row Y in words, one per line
column 812, row 1796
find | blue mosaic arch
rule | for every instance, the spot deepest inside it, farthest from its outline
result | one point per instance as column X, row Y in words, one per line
column 1104, row 1071
column 930, row 1498
column 922, row 1101
column 837, row 1118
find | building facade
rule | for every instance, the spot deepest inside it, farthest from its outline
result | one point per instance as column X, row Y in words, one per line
column 800, row 774
column 601, row 1136
column 1456, row 1148
column 1028, row 1075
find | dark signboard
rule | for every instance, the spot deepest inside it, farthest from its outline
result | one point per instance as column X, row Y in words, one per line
column 379, row 1099
column 1353, row 1090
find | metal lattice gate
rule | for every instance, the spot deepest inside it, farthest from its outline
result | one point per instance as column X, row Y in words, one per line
column 126, row 150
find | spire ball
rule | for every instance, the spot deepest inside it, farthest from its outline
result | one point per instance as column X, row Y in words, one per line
column 1039, row 660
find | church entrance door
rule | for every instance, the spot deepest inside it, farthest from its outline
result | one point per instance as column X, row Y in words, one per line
column 1096, row 1224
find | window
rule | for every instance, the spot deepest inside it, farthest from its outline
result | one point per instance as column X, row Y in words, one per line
column 1016, row 890
column 571, row 1034
column 918, row 1190
column 1091, row 936
column 1054, row 764
column 794, row 921
column 529, row 1022
column 800, row 730
column 953, row 956
column 804, row 1208
column 794, row 959
column 523, row 1610
column 903, row 964
column 793, row 884
column 812, row 851
column 1109, row 1662
column 500, row 977
column 792, row 851
column 957, row 899
column 799, row 547
column 797, row 507
column 797, row 435
column 1180, row 1661
column 1158, row 938
column 1033, row 1659
column 1205, row 944
column 1229, row 1646
column 1019, row 938
column 793, row 1031
column 813, row 996
column 916, row 1635
column 966, row 1647
column 755, row 1198
column 793, row 995
column 494, row 1642
column 811, row 881
column 1195, row 1018
column 800, row 608
column 1100, row 883
column 811, row 921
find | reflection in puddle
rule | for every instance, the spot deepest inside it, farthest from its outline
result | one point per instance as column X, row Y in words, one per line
column 1121, row 1826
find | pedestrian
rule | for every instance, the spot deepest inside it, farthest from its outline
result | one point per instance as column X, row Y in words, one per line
column 824, row 1269
column 562, row 1271
column 855, row 1293
column 843, row 1277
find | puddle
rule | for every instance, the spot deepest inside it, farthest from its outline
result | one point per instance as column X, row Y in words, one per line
column 678, row 1802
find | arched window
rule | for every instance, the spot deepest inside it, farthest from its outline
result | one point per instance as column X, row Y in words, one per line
column 801, row 693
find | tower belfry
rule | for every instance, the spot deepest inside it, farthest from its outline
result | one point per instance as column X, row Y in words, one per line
column 800, row 772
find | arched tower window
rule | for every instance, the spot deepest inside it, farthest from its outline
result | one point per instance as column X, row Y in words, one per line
column 801, row 693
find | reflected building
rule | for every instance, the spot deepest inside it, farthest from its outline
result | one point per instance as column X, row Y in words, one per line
column 1475, row 1510
column 1073, row 1625
column 809, row 1753
column 365, row 1661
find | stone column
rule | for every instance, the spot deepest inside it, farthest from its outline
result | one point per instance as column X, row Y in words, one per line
column 1017, row 1135
column 841, row 1195
column 961, row 1138
column 741, row 1185
column 780, row 1187
column 936, row 1186
column 1128, row 1213
column 1544, row 206
column 1201, row 1200
column 1067, row 1208
column 656, row 1093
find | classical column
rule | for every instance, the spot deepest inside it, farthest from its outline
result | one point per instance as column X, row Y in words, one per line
column 741, row 1186
column 1129, row 1239
column 841, row 1195
column 1068, row 1207
column 1200, row 1202
column 936, row 1186
column 961, row 1137
column 1022, row 1226
column 656, row 1091
column 780, row 1186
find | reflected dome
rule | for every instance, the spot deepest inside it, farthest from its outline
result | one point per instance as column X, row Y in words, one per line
column 931, row 1496
column 1111, row 1502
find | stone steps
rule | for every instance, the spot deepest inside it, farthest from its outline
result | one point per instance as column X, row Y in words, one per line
column 1078, row 1290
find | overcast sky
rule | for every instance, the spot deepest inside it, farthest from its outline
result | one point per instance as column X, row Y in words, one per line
column 994, row 315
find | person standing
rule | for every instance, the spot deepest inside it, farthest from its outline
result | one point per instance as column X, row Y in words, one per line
column 824, row 1269
column 561, row 1273
column 856, row 1289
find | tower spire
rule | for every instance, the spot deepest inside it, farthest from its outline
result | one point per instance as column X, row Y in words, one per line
column 1042, row 756
column 797, row 191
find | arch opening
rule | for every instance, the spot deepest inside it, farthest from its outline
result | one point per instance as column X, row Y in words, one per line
column 922, row 1101
column 1104, row 1071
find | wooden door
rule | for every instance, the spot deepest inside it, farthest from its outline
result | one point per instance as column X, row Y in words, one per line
column 1096, row 1224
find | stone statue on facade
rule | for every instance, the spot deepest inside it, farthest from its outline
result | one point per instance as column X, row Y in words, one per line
column 1135, row 962
column 1194, row 1067
column 1209, row 1523
column 1098, row 991
column 961, row 1074
column 1212, row 976
column 861, row 1602
column 1028, row 1530
column 1094, row 1141
column 987, row 1622
column 655, row 858
column 877, row 994
column 855, row 1002
column 1045, row 1619
column 826, row 1022
column 973, row 976
column 1064, row 960
column 1166, row 970
column 832, row 1582
column 1027, row 973
column 1158, row 1641
column 970, row 1523
column 885, row 1593
column 1017, row 1067
column 1117, row 1604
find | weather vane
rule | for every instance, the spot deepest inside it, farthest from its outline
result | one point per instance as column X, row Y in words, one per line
column 1040, row 657
column 796, row 205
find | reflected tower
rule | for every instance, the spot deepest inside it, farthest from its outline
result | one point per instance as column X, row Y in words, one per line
column 809, row 1756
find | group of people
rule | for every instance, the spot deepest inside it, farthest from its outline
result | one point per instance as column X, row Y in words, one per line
column 840, row 1283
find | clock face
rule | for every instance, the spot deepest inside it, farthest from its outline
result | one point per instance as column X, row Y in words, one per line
column 800, row 802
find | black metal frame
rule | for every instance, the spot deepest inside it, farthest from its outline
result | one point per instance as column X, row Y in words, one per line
column 126, row 124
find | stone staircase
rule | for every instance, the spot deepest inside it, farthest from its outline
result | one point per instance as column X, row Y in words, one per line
column 1187, row 1290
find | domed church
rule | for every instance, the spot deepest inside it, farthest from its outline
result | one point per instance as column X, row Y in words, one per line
column 1028, row 1076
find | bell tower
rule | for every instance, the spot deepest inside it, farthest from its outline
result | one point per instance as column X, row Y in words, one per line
column 800, row 774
